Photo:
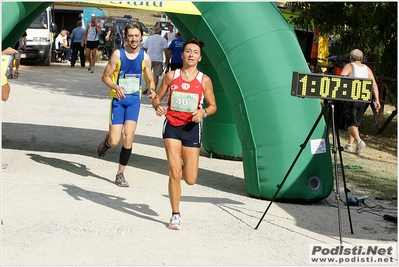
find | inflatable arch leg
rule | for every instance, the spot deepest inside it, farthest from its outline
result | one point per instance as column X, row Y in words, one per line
column 16, row 18
column 251, row 52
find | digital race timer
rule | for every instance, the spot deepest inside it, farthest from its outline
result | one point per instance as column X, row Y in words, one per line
column 331, row 87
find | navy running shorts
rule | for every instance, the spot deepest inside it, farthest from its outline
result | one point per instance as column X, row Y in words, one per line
column 189, row 134
column 92, row 44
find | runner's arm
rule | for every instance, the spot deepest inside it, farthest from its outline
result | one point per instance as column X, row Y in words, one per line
column 157, row 97
column 109, row 70
column 148, row 75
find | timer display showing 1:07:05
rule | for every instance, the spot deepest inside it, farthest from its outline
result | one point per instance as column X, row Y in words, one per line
column 331, row 87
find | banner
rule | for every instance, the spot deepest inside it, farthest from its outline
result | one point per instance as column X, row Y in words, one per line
column 180, row 7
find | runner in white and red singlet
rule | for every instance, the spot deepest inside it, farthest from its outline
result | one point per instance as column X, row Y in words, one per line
column 187, row 88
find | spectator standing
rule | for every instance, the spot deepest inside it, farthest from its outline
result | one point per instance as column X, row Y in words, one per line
column 19, row 46
column 61, row 45
column 155, row 45
column 353, row 111
column 105, row 31
column 174, row 52
column 170, row 35
column 118, row 40
column 91, row 38
column 77, row 45
column 5, row 86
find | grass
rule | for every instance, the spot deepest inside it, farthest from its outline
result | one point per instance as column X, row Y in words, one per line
column 375, row 170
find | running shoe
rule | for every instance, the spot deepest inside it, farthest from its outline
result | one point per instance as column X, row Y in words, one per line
column 92, row 70
column 175, row 222
column 360, row 146
column 102, row 149
column 349, row 147
column 89, row 68
column 120, row 180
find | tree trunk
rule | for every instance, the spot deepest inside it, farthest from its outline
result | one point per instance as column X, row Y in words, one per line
column 383, row 92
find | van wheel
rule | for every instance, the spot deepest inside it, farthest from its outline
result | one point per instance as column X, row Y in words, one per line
column 46, row 62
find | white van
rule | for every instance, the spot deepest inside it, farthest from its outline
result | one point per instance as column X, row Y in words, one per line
column 39, row 39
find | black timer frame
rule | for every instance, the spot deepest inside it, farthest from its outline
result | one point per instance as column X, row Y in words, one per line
column 332, row 87
column 363, row 94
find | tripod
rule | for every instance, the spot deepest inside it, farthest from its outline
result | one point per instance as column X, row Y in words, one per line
column 336, row 148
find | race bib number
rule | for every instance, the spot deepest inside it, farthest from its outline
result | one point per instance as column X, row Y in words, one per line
column 131, row 84
column 185, row 102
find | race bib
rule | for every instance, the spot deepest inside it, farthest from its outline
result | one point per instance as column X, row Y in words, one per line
column 184, row 102
column 131, row 84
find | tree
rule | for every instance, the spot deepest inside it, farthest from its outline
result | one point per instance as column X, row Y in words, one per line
column 369, row 26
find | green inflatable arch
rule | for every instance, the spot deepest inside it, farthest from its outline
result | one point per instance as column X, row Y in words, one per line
column 251, row 52
column 17, row 17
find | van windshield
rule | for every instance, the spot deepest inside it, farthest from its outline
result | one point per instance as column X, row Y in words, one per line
column 40, row 22
column 165, row 24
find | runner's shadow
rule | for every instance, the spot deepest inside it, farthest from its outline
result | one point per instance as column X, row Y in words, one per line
column 225, row 204
column 212, row 200
column 73, row 167
column 44, row 138
column 142, row 211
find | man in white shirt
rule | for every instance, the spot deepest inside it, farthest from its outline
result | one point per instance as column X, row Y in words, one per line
column 171, row 35
column 155, row 46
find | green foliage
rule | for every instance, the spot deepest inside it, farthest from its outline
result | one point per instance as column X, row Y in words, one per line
column 369, row 26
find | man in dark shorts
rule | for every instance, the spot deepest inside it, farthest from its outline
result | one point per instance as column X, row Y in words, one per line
column 91, row 37
column 353, row 111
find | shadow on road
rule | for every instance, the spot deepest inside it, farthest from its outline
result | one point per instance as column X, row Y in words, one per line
column 44, row 138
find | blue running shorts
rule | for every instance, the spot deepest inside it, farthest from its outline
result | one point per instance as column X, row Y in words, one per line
column 125, row 109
